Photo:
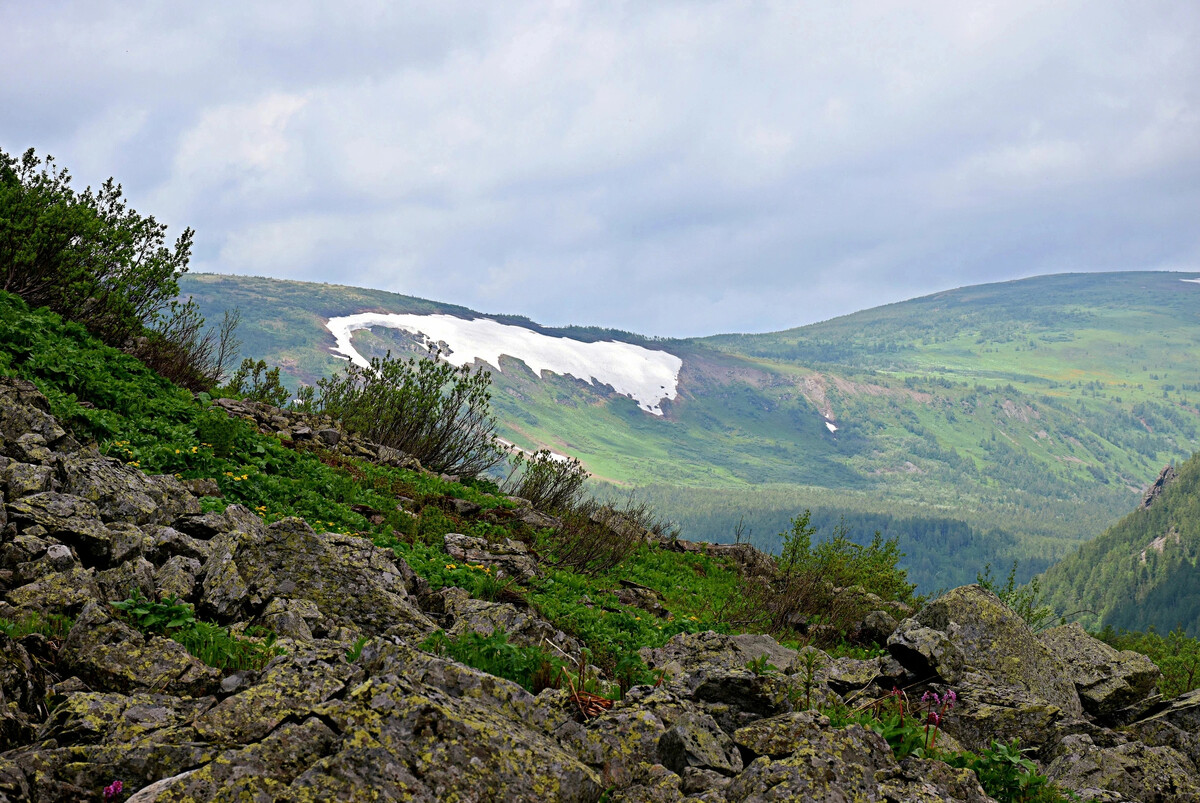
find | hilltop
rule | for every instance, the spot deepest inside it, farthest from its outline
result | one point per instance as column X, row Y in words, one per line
column 990, row 423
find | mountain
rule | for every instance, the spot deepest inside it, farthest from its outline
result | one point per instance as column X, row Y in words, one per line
column 1141, row 572
column 984, row 424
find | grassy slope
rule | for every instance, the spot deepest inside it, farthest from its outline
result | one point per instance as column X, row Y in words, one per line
column 1037, row 407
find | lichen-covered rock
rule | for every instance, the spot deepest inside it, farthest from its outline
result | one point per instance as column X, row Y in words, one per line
column 830, row 765
column 167, row 542
column 927, row 781
column 426, row 729
column 177, row 577
column 111, row 718
column 25, row 479
column 288, row 559
column 22, row 694
column 71, row 519
column 1000, row 646
column 507, row 558
column 686, row 653
column 111, row 656
column 1182, row 712
column 522, row 626
column 59, row 593
column 659, row 785
column 1133, row 770
column 1156, row 732
column 291, row 686
column 779, row 736
column 928, row 652
column 698, row 742
column 1106, row 679
column 119, row 583
column 120, row 492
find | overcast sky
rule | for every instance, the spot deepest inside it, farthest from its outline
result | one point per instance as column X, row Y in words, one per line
column 668, row 168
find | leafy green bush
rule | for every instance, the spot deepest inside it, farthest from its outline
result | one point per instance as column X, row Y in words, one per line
column 258, row 382
column 212, row 644
column 1177, row 654
column 843, row 562
column 548, row 482
column 426, row 407
column 1007, row 775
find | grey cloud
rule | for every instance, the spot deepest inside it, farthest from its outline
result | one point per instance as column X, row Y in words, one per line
column 668, row 168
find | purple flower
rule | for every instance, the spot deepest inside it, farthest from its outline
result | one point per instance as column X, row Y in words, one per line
column 934, row 719
column 950, row 699
column 925, row 697
column 113, row 789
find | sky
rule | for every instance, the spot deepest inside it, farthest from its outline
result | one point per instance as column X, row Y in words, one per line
column 669, row 168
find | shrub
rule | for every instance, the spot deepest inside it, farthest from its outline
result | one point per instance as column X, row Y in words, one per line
column 1007, row 775
column 426, row 407
column 531, row 667
column 91, row 259
column 803, row 595
column 84, row 255
column 1025, row 601
column 594, row 538
column 549, row 483
column 257, row 382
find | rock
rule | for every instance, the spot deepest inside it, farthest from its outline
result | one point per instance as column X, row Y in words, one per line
column 1010, row 684
column 418, row 722
column 698, row 743
column 71, row 519
column 523, row 627
column 929, row 781
column 1106, row 679
column 288, row 559
column 1165, row 478
column 508, row 558
column 829, row 765
column 29, row 448
column 59, row 593
column 876, row 627
column 88, row 717
column 22, row 695
column 927, row 652
column 687, row 652
column 329, row 437
column 779, row 736
column 119, row 583
column 167, row 542
column 537, row 519
column 26, row 479
column 464, row 507
column 177, row 577
column 120, row 492
column 292, row 685
column 291, row 618
column 1182, row 712
column 110, row 655
column 205, row 525
column 643, row 598
column 1155, row 732
column 659, row 785
column 203, row 486
column 1133, row 770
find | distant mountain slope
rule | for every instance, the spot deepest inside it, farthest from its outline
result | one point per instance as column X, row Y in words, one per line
column 1143, row 570
column 1032, row 412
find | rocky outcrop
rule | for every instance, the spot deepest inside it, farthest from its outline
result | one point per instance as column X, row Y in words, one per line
column 1165, row 478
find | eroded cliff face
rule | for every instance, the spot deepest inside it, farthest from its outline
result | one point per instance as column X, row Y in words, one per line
column 353, row 709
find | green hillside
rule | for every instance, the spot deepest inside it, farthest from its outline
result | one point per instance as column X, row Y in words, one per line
column 990, row 423
column 1142, row 572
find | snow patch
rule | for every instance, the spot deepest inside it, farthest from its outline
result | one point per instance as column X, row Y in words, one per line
column 832, row 427
column 646, row 375
column 1193, row 281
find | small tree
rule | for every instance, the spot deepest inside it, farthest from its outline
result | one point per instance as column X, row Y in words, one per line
column 423, row 406
column 548, row 482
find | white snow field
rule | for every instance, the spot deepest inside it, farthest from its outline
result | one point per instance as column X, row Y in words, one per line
column 1194, row 281
column 646, row 375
